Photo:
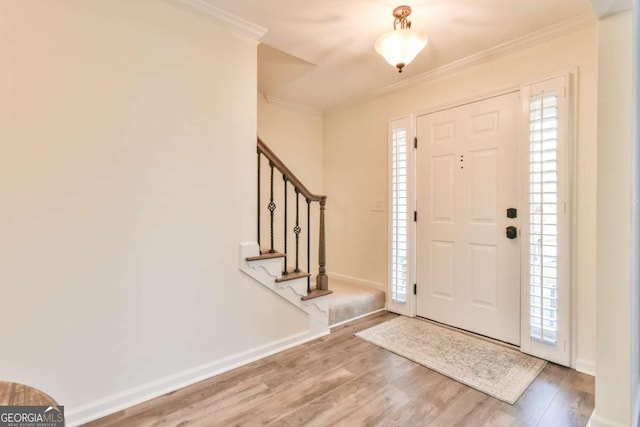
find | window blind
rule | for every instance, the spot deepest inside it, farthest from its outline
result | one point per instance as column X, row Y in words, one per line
column 399, row 211
column 543, row 221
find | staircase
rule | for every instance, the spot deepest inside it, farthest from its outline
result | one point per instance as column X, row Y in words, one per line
column 282, row 224
column 266, row 268
column 346, row 302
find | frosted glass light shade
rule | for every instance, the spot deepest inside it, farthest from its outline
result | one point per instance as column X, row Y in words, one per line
column 400, row 47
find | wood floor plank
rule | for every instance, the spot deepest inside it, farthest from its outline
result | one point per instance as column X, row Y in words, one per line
column 573, row 404
column 423, row 385
column 501, row 419
column 296, row 396
column 342, row 380
column 467, row 407
column 204, row 392
column 534, row 402
column 375, row 407
column 331, row 407
column 375, row 369
column 239, row 399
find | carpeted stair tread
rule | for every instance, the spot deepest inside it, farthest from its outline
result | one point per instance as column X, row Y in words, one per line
column 349, row 301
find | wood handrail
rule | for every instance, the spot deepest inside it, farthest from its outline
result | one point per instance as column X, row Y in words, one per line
column 279, row 164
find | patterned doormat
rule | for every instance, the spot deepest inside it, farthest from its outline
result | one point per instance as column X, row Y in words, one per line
column 494, row 369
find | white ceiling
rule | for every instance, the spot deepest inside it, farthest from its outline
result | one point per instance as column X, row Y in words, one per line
column 320, row 52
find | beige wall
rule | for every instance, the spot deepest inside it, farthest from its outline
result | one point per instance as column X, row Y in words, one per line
column 296, row 137
column 614, row 328
column 121, row 131
column 355, row 162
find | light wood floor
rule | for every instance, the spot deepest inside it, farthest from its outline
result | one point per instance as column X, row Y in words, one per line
column 342, row 380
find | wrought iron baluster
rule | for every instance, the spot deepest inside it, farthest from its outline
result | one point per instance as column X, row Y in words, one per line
column 297, row 230
column 259, row 153
column 301, row 191
column 272, row 206
column 286, row 208
column 308, row 245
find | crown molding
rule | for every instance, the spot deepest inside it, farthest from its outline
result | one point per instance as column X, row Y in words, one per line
column 513, row 46
column 293, row 105
column 606, row 8
column 224, row 19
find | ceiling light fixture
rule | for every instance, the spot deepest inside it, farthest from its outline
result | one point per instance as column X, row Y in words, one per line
column 400, row 46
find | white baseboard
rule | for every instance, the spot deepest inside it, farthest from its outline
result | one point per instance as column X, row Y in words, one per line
column 357, row 281
column 144, row 392
column 586, row 366
column 597, row 421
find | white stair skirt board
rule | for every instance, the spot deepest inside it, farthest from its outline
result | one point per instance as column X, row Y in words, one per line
column 266, row 271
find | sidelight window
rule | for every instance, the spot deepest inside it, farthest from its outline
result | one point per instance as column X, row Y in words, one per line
column 546, row 257
column 543, row 216
column 399, row 215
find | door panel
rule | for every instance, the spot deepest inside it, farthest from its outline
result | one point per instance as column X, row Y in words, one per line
column 483, row 269
column 484, row 186
column 443, row 264
column 466, row 177
column 443, row 170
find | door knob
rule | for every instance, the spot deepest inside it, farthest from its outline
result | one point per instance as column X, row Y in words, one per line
column 512, row 232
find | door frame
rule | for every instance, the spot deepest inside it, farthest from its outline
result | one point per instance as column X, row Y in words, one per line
column 572, row 81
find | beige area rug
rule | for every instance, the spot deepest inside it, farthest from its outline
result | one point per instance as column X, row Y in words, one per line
column 491, row 368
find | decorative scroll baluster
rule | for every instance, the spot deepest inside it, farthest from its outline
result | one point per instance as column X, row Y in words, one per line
column 308, row 244
column 272, row 207
column 259, row 205
column 322, row 281
column 286, row 208
column 297, row 230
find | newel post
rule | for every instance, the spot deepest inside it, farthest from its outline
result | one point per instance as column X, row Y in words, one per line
column 322, row 280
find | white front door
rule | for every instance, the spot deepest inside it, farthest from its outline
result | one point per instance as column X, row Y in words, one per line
column 468, row 269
